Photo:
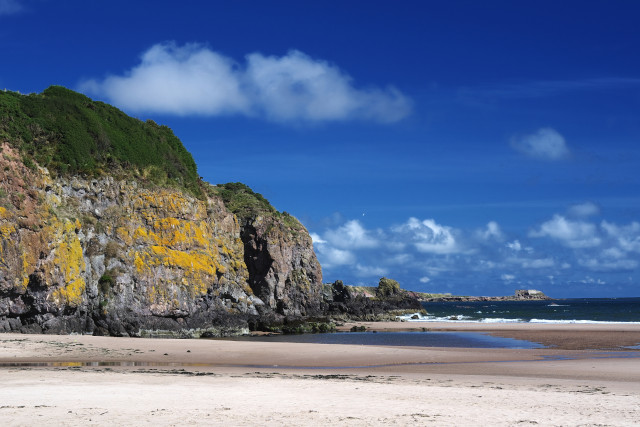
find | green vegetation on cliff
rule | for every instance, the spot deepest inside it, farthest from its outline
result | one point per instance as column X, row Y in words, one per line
column 70, row 134
column 387, row 287
column 245, row 203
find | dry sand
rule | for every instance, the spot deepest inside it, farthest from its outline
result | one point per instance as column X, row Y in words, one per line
column 211, row 382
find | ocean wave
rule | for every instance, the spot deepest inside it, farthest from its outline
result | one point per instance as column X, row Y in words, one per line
column 417, row 317
column 604, row 322
column 454, row 318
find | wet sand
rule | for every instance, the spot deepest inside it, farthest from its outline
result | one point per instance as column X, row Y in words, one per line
column 566, row 336
column 211, row 382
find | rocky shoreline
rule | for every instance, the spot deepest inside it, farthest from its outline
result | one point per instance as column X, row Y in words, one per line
column 520, row 295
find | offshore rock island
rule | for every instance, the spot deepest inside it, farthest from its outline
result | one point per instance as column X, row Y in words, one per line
column 107, row 229
column 519, row 295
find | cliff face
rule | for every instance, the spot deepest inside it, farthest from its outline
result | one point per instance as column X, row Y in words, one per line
column 284, row 271
column 108, row 256
column 106, row 228
column 278, row 251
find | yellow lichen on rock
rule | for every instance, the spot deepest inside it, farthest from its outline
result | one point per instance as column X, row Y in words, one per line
column 198, row 269
column 6, row 230
column 25, row 271
column 176, row 246
column 69, row 263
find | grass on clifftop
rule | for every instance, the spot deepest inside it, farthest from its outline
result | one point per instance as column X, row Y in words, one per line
column 70, row 134
column 246, row 204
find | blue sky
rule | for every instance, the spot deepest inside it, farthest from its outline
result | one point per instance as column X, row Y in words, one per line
column 456, row 146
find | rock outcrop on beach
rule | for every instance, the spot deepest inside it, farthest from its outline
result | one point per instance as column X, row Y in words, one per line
column 350, row 303
column 106, row 228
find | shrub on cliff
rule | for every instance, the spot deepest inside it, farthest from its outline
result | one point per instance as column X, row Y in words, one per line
column 387, row 287
column 69, row 133
column 245, row 203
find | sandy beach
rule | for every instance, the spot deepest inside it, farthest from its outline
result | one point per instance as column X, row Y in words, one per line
column 585, row 377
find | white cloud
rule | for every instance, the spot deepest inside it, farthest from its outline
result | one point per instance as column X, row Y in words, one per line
column 317, row 239
column 591, row 281
column 296, row 86
column 492, row 231
column 627, row 237
column 422, row 251
column 331, row 257
column 597, row 264
column 400, row 259
column 181, row 80
column 584, row 210
column 537, row 263
column 515, row 246
column 620, row 231
column 614, row 253
column 352, row 235
column 428, row 237
column 369, row 271
column 545, row 144
column 574, row 234
column 484, row 264
column 194, row 80
column 9, row 7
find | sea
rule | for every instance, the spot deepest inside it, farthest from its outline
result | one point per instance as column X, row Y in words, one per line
column 575, row 310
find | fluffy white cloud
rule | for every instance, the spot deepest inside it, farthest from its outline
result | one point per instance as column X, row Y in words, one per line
column 516, row 246
column 9, row 7
column 399, row 259
column 296, row 86
column 332, row 257
column 351, row 235
column 591, row 281
column 584, row 210
column 491, row 232
column 429, row 256
column 370, row 271
column 537, row 263
column 429, row 237
column 574, row 234
column 336, row 246
column 181, row 80
column 317, row 239
column 608, row 265
column 192, row 79
column 627, row 237
column 617, row 231
column 545, row 144
column 614, row 253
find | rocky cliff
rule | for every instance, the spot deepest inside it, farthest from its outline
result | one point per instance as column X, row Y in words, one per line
column 283, row 269
column 113, row 249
